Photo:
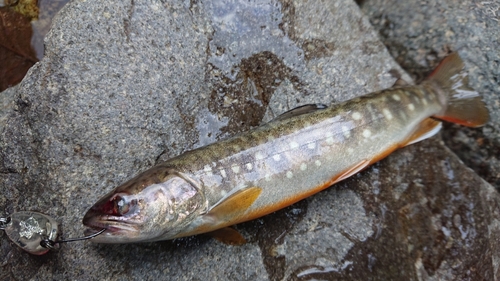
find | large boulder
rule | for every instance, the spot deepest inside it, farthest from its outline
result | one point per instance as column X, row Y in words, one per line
column 124, row 85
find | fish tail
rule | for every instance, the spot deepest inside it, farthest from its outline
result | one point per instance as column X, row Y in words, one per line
column 464, row 104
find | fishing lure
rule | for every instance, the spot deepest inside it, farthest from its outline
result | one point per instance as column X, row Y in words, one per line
column 34, row 232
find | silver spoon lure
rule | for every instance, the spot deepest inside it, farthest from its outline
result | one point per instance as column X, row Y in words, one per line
column 36, row 233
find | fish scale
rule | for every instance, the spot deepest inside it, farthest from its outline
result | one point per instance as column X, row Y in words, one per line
column 270, row 167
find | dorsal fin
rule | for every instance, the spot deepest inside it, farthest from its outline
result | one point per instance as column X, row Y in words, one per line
column 401, row 83
column 303, row 109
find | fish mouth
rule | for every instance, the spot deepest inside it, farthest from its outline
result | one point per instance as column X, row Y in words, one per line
column 95, row 222
column 113, row 233
column 109, row 230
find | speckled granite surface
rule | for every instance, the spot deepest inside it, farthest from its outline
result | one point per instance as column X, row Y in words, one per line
column 126, row 84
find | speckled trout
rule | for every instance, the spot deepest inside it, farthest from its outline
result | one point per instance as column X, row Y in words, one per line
column 286, row 160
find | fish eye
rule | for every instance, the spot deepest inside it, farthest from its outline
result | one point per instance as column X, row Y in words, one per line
column 121, row 205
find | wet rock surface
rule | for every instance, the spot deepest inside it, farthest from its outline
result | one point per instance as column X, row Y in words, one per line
column 418, row 34
column 124, row 85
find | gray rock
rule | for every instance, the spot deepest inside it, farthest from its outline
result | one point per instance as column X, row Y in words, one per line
column 418, row 34
column 124, row 85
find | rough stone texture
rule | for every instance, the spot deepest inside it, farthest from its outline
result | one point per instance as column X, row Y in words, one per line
column 126, row 84
column 418, row 34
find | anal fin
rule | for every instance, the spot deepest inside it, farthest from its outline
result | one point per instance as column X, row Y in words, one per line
column 426, row 129
column 228, row 235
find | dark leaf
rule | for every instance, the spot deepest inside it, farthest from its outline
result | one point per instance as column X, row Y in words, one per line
column 16, row 53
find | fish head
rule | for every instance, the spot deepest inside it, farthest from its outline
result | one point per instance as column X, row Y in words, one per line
column 155, row 205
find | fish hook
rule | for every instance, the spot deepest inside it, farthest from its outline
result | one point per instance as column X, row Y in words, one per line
column 50, row 244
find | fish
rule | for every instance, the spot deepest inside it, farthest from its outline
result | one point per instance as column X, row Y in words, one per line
column 296, row 155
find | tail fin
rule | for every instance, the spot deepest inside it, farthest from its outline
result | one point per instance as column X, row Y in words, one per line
column 465, row 106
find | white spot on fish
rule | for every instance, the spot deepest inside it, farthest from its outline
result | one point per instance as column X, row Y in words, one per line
column 289, row 174
column 402, row 115
column 268, row 177
column 350, row 150
column 259, row 156
column 367, row 133
column 249, row 166
column 387, row 113
column 223, row 193
column 356, row 115
column 329, row 138
column 317, row 162
column 311, row 145
column 346, row 131
column 424, row 101
column 208, row 170
column 303, row 166
column 416, row 99
column 223, row 173
column 411, row 107
column 396, row 97
column 276, row 157
column 236, row 169
column 294, row 145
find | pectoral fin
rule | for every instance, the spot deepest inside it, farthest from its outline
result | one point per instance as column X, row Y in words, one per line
column 235, row 205
column 228, row 235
